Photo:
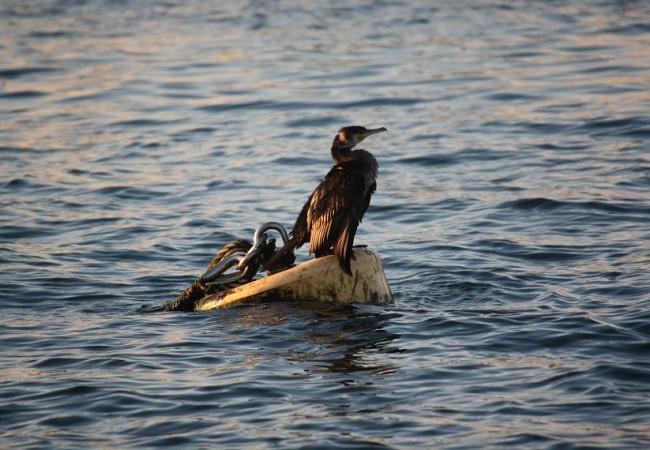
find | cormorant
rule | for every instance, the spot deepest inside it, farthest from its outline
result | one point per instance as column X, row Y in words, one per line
column 330, row 218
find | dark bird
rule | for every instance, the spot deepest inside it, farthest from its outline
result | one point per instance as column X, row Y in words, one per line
column 330, row 218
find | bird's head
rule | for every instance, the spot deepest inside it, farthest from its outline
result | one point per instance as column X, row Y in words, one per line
column 348, row 137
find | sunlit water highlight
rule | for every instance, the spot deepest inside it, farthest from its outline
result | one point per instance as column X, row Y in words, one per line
column 138, row 137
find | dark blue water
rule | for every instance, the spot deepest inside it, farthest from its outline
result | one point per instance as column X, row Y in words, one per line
column 512, row 215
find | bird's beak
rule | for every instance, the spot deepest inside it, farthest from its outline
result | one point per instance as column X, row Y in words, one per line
column 367, row 133
column 375, row 131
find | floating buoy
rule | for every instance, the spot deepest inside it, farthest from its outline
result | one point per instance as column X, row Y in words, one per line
column 320, row 279
column 231, row 278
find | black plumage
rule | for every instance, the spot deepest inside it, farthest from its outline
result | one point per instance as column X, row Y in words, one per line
column 330, row 218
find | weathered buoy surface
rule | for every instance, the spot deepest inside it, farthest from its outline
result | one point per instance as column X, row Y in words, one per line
column 320, row 279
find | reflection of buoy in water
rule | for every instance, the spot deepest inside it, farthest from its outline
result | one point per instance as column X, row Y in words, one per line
column 320, row 279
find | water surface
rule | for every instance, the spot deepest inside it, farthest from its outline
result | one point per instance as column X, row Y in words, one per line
column 137, row 138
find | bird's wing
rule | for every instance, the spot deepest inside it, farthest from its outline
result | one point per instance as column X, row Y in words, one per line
column 335, row 209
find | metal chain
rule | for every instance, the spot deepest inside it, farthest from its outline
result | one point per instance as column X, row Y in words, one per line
column 240, row 260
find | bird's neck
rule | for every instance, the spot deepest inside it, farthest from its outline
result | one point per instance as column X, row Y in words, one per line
column 340, row 152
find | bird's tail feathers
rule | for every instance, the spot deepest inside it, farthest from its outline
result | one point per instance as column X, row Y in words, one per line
column 343, row 246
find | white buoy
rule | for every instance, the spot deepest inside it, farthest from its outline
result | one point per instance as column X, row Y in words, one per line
column 320, row 279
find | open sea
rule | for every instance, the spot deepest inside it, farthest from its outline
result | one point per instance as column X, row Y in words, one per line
column 137, row 137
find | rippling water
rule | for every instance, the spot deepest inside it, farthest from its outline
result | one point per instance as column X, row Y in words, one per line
column 512, row 215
